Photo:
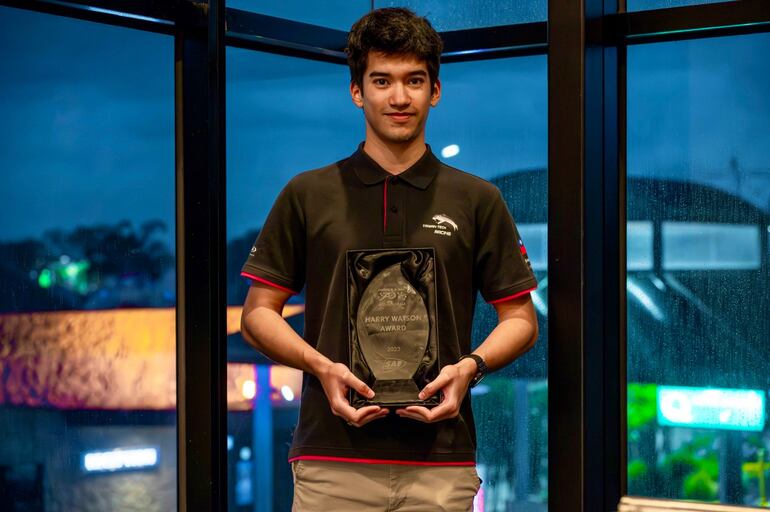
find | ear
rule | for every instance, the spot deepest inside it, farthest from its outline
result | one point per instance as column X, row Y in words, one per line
column 436, row 94
column 357, row 95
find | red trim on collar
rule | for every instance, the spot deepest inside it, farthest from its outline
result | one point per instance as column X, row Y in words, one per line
column 385, row 205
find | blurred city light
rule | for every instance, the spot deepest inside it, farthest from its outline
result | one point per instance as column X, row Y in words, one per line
column 729, row 409
column 120, row 460
column 249, row 389
column 450, row 151
column 287, row 393
column 45, row 279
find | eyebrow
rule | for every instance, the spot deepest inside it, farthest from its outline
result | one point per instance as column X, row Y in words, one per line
column 378, row 74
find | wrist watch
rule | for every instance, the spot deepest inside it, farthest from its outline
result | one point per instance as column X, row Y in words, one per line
column 481, row 368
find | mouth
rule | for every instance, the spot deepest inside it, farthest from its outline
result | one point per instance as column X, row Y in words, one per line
column 400, row 116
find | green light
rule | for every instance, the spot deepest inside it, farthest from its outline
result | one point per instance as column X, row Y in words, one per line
column 73, row 275
column 717, row 408
column 44, row 279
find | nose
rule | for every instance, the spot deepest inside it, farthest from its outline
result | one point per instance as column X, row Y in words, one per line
column 399, row 96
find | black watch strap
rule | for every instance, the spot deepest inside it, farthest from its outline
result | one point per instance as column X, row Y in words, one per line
column 481, row 368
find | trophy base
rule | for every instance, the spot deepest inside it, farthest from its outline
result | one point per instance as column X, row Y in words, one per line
column 397, row 393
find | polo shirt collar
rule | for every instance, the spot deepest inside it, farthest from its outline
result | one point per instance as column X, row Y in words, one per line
column 419, row 175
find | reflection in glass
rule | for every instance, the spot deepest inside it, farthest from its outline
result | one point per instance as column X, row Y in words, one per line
column 87, row 273
column 698, row 303
column 643, row 5
column 690, row 245
column 639, row 245
column 464, row 14
column 443, row 15
column 336, row 14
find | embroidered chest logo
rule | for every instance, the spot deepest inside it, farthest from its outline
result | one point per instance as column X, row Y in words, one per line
column 444, row 225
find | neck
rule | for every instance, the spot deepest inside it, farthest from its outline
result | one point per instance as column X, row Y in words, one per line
column 395, row 158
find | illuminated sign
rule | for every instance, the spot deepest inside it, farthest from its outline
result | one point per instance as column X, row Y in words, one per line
column 120, row 459
column 728, row 409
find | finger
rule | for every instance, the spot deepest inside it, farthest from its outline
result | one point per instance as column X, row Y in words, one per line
column 416, row 412
column 358, row 385
column 359, row 414
column 373, row 417
column 364, row 415
column 433, row 386
column 352, row 414
column 445, row 410
column 341, row 407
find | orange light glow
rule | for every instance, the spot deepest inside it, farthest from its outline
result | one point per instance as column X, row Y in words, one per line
column 120, row 359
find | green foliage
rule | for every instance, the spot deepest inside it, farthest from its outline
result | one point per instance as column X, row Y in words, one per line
column 642, row 404
column 637, row 468
column 693, row 469
column 700, row 486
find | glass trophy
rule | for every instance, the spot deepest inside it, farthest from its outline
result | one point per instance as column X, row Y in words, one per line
column 392, row 324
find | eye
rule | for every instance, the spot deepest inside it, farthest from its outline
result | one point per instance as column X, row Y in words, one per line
column 416, row 80
column 380, row 81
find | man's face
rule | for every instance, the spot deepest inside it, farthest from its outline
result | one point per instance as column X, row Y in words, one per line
column 396, row 97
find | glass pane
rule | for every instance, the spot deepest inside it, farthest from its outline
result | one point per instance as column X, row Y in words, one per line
column 495, row 115
column 698, row 308
column 639, row 245
column 444, row 16
column 700, row 246
column 87, row 279
column 337, row 14
column 643, row 5
column 492, row 122
column 284, row 116
column 536, row 236
column 463, row 14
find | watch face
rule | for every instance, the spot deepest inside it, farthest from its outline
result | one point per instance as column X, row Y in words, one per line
column 392, row 325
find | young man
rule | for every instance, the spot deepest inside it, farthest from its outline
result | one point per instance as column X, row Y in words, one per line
column 391, row 193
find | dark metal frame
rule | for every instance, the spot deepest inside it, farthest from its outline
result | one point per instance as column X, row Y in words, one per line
column 586, row 261
column 586, row 44
column 201, row 257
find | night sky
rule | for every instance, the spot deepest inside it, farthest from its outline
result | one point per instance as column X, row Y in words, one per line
column 87, row 120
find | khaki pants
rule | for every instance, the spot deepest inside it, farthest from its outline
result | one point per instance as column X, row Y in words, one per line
column 321, row 486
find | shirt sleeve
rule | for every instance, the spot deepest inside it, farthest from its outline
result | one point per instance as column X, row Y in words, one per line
column 501, row 267
column 278, row 255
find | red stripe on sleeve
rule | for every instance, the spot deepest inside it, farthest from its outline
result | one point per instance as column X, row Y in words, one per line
column 265, row 281
column 519, row 294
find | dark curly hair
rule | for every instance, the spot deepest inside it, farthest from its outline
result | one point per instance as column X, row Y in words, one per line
column 393, row 30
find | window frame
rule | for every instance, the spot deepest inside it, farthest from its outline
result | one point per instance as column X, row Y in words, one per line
column 586, row 46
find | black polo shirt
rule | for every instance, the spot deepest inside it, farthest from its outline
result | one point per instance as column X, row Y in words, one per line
column 356, row 204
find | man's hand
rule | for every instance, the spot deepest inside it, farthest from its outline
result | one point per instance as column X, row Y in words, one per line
column 336, row 380
column 452, row 382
